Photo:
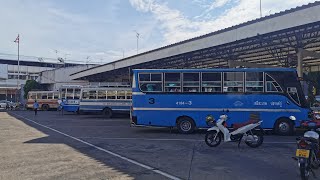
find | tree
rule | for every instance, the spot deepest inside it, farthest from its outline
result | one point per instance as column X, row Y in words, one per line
column 31, row 85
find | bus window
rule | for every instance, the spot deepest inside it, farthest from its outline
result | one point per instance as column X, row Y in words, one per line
column 50, row 95
column 85, row 94
column 63, row 93
column 211, row 82
column 293, row 93
column 111, row 94
column 69, row 94
column 272, row 85
column 191, row 82
column 102, row 94
column 172, row 82
column 254, row 81
column 150, row 82
column 38, row 95
column 77, row 93
column 56, row 95
column 33, row 96
column 129, row 94
column 44, row 95
column 121, row 95
column 233, row 82
column 92, row 94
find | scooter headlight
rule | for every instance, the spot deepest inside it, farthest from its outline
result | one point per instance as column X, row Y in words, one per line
column 210, row 120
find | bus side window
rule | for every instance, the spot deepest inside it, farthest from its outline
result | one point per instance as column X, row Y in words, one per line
column 69, row 94
column 129, row 94
column 85, row 94
column 211, row 82
column 55, row 95
column 77, row 93
column 191, row 82
column 254, row 81
column 121, row 95
column 92, row 94
column 38, row 95
column 150, row 82
column 272, row 85
column 111, row 94
column 172, row 82
column 233, row 82
column 102, row 94
column 50, row 95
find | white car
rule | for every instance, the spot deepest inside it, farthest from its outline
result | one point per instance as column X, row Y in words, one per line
column 3, row 103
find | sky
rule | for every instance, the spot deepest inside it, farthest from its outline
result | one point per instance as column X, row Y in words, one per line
column 103, row 31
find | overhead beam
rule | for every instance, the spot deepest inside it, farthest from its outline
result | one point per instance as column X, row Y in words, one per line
column 306, row 53
column 233, row 64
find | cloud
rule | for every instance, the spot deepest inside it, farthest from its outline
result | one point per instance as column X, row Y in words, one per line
column 177, row 27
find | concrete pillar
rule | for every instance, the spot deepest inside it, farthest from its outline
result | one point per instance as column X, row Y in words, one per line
column 300, row 62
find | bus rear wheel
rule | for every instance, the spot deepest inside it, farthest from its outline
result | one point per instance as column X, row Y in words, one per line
column 45, row 107
column 185, row 125
column 284, row 127
column 107, row 113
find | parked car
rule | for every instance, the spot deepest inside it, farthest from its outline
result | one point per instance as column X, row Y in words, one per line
column 3, row 104
column 8, row 104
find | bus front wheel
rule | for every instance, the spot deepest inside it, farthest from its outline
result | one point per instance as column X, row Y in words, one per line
column 185, row 125
column 107, row 113
column 284, row 127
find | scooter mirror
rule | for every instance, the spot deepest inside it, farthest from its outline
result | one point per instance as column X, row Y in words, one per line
column 292, row 118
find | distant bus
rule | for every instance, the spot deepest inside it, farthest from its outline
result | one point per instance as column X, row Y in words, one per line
column 70, row 95
column 183, row 98
column 106, row 101
column 46, row 99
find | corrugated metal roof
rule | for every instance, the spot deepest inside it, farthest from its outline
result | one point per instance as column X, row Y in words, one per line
column 281, row 13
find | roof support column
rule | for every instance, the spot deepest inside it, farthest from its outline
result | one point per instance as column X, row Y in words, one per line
column 300, row 62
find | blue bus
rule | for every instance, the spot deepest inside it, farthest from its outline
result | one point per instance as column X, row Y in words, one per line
column 70, row 95
column 183, row 98
column 106, row 101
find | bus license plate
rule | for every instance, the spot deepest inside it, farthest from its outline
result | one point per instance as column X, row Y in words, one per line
column 302, row 153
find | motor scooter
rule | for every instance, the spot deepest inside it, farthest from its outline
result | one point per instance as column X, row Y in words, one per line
column 250, row 132
column 308, row 150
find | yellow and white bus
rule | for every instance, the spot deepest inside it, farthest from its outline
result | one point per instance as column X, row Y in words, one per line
column 46, row 99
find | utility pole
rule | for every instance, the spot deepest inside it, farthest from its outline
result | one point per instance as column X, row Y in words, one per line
column 260, row 9
column 18, row 82
column 137, row 35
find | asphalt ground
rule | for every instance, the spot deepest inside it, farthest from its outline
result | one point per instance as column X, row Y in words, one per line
column 55, row 146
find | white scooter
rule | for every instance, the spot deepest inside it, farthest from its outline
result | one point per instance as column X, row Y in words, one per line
column 249, row 132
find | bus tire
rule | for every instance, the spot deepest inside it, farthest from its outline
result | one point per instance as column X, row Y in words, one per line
column 45, row 107
column 107, row 112
column 185, row 125
column 284, row 127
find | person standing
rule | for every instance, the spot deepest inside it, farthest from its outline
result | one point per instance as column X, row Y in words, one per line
column 35, row 107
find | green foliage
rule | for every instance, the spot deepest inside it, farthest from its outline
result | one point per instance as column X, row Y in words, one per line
column 31, row 85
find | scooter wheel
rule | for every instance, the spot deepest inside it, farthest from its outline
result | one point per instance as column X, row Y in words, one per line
column 213, row 138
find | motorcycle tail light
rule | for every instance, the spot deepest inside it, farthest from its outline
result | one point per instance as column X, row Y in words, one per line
column 303, row 143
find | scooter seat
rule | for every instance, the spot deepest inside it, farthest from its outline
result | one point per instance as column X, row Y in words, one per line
column 239, row 125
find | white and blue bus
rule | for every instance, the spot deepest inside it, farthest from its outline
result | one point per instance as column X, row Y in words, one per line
column 70, row 95
column 107, row 101
column 183, row 98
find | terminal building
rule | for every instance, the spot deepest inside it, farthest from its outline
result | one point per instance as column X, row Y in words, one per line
column 10, row 86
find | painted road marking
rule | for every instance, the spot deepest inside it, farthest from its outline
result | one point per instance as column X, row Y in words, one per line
column 188, row 140
column 106, row 151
